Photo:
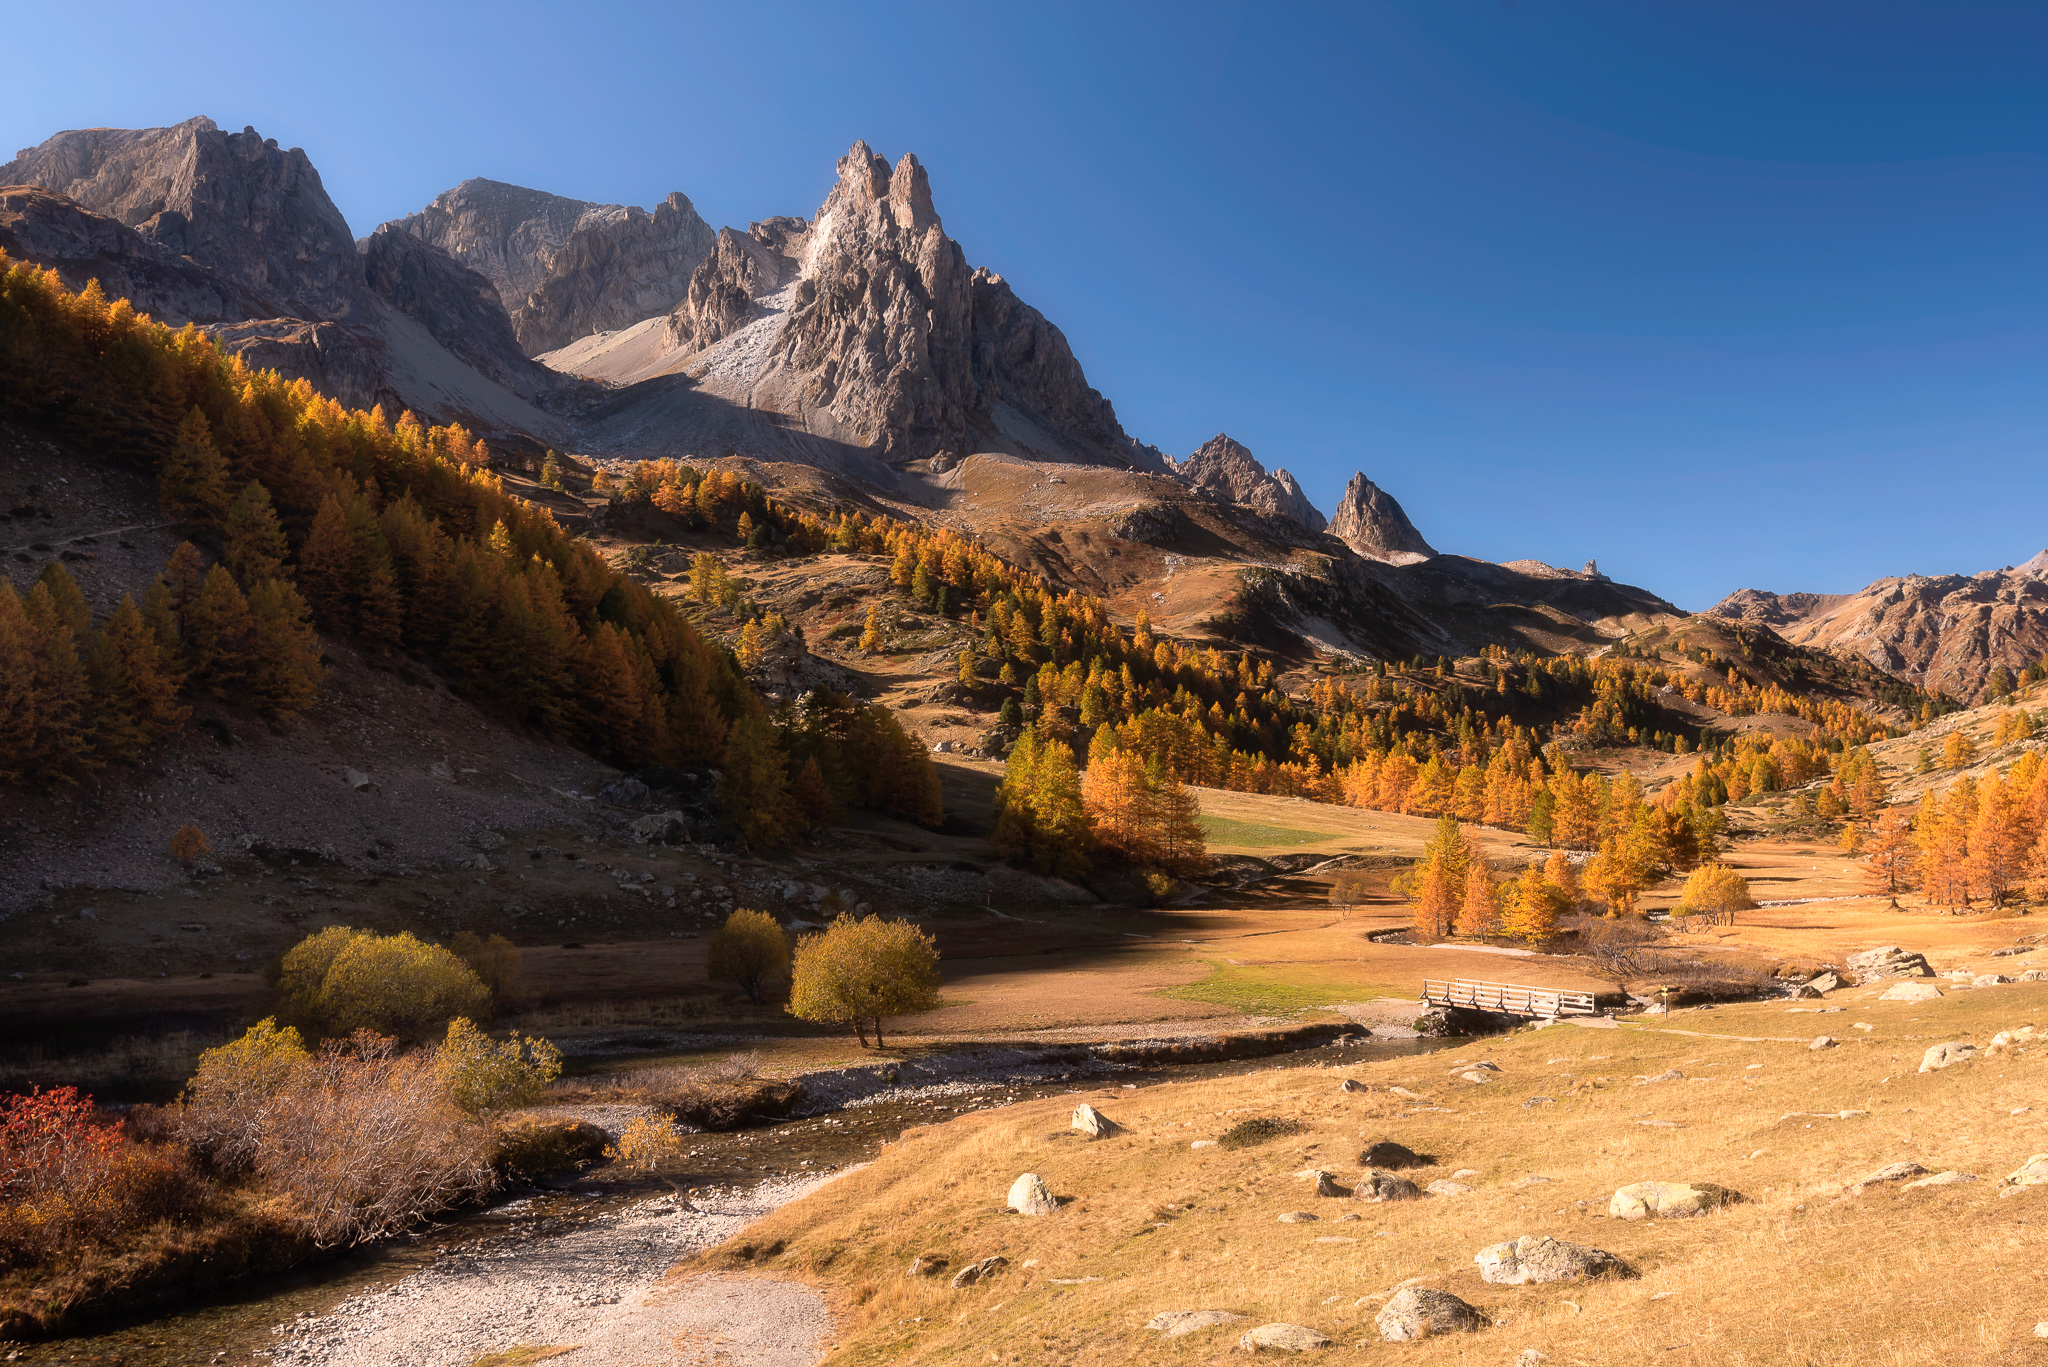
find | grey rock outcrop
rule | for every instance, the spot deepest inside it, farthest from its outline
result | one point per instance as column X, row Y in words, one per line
column 979, row 1270
column 2032, row 1173
column 45, row 228
column 1889, row 961
column 457, row 305
column 1224, row 468
column 1885, row 1176
column 235, row 204
column 1668, row 1200
column 741, row 269
column 1939, row 1056
column 566, row 267
column 1416, row 1312
column 351, row 365
column 1376, row 1185
column 1533, row 1258
column 1094, row 1123
column 1370, row 522
column 1171, row 1324
column 1286, row 1338
column 1028, row 1196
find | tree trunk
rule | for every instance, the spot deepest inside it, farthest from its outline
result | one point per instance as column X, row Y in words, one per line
column 878, row 1032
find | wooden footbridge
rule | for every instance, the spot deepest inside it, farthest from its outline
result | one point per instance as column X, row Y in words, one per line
column 1508, row 998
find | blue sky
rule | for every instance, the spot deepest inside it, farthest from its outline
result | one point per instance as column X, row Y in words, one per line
column 1724, row 294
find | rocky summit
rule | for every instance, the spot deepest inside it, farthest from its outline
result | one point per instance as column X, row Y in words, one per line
column 1369, row 520
column 1224, row 467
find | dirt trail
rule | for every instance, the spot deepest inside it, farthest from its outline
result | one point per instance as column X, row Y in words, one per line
column 599, row 1288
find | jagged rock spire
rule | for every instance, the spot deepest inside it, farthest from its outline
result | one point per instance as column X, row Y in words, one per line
column 1371, row 522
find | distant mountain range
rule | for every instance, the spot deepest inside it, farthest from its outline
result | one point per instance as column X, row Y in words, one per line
column 852, row 355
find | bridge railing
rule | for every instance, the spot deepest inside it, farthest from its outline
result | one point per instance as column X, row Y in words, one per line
column 1511, row 998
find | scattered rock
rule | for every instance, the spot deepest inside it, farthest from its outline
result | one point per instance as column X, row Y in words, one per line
column 1826, row 982
column 1298, row 1217
column 1893, row 1172
column 1094, row 1123
column 1941, row 1179
column 1529, row 1357
column 1535, row 1101
column 1352, row 1085
column 1534, row 1258
column 1173, row 1323
column 1989, row 980
column 1288, row 1338
column 1823, row 1042
column 925, row 1265
column 1416, row 1312
column 1444, row 1186
column 2034, row 975
column 1203, row 1144
column 1889, row 961
column 1942, row 1055
column 976, row 1271
column 1326, row 1184
column 1376, row 1185
column 1668, row 1075
column 661, row 828
column 2032, row 1173
column 1387, row 1154
column 1028, row 1196
column 1910, row 992
column 1668, row 1200
column 356, row 779
column 1478, row 1076
column 626, row 792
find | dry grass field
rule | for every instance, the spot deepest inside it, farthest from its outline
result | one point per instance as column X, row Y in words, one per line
column 1800, row 1272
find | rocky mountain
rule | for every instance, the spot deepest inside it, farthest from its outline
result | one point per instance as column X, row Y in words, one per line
column 1225, row 468
column 1371, row 523
column 235, row 204
column 860, row 341
column 565, row 267
column 1945, row 633
column 232, row 232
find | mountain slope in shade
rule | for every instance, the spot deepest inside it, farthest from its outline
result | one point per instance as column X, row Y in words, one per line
column 1945, row 633
column 232, row 232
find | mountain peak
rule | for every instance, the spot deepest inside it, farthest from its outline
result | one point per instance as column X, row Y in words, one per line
column 1225, row 467
column 1369, row 520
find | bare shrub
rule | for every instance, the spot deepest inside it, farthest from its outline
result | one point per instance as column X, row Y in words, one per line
column 1258, row 1130
column 1621, row 947
column 479, row 1073
column 369, row 1144
column 1349, row 887
column 237, row 1092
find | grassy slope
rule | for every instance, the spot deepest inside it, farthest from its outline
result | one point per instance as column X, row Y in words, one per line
column 1800, row 1273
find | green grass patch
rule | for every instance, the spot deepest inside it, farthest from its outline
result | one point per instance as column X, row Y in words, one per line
column 1259, row 991
column 1221, row 830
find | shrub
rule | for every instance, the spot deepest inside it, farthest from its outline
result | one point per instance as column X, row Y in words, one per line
column 1717, row 892
column 479, row 1073
column 236, row 1090
column 1258, row 1130
column 648, row 1145
column 1349, row 888
column 534, row 1148
column 342, row 980
column 369, row 1144
column 56, row 1166
column 750, row 949
column 189, row 843
column 496, row 961
column 859, row 971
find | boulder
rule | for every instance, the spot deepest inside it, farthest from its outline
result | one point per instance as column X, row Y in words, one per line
column 1823, row 1042
column 1801, row 992
column 1203, row 1144
column 1416, row 1312
column 626, row 792
column 1326, row 1185
column 1352, row 1085
column 1884, row 1176
column 1826, row 982
column 1173, row 1323
column 2033, row 975
column 1940, row 1056
column 1286, row 1338
column 1376, row 1185
column 660, row 828
column 1478, row 1075
column 1028, row 1196
column 1941, row 1179
column 356, row 779
column 1532, row 1258
column 1387, row 1154
column 1889, row 961
column 1989, row 980
column 977, row 1271
column 1444, row 1186
column 1094, row 1123
column 1298, row 1217
column 1910, row 992
column 2032, row 1173
column 925, row 1265
column 1668, row 1200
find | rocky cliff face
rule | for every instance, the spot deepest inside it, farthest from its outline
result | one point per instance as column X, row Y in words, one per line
column 81, row 246
column 1370, row 522
column 1945, row 633
column 566, row 268
column 1226, row 469
column 726, row 287
column 234, row 203
column 457, row 305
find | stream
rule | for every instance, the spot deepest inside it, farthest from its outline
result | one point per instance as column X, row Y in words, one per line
column 243, row 1326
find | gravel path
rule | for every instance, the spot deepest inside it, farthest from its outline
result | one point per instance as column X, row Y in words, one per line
column 598, row 1288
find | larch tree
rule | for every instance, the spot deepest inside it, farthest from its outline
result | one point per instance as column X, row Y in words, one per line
column 1997, row 850
column 253, row 544
column 284, row 671
column 192, row 480
column 220, row 632
column 1894, row 856
column 1480, row 913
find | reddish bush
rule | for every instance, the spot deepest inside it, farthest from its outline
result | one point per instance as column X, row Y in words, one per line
column 55, row 1162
